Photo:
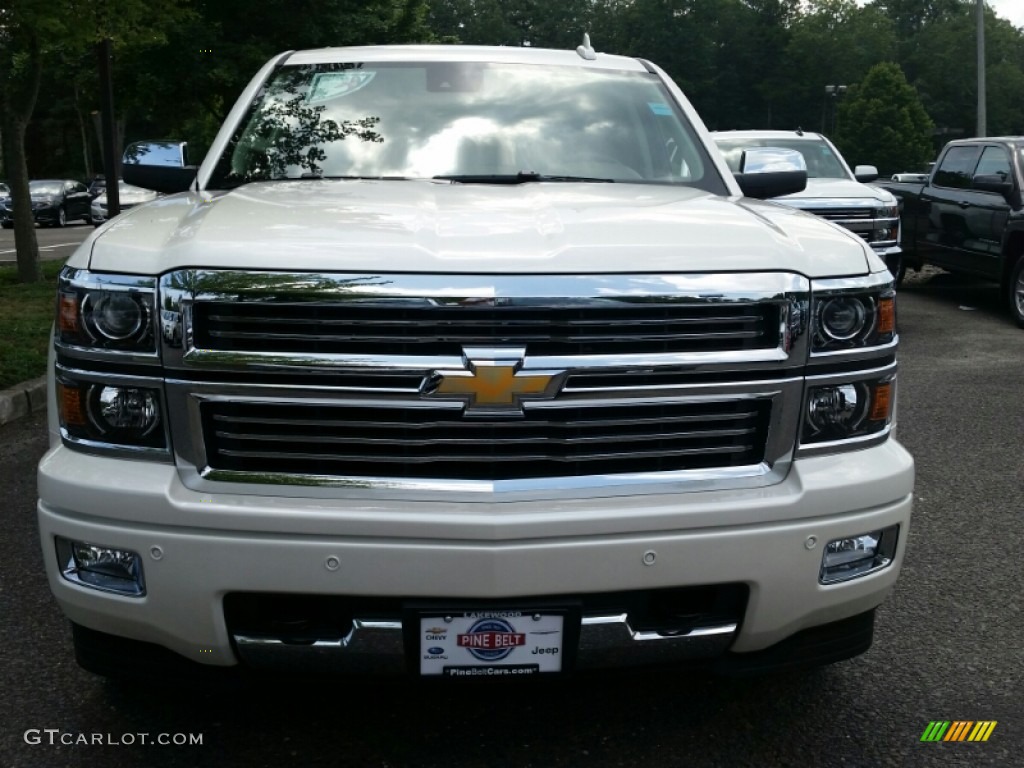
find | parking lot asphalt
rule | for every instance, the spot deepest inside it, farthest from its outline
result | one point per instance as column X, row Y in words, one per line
column 55, row 244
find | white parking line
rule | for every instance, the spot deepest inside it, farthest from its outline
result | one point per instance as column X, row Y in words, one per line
column 42, row 247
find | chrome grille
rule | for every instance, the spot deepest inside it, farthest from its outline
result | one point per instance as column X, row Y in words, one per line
column 325, row 380
column 842, row 213
column 416, row 442
column 395, row 328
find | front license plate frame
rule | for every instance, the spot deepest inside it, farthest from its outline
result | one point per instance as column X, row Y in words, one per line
column 481, row 641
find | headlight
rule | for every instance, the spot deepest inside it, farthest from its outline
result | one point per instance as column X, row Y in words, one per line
column 845, row 411
column 105, row 313
column 887, row 224
column 110, row 415
column 853, row 314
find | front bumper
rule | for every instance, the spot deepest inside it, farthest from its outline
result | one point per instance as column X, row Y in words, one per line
column 197, row 549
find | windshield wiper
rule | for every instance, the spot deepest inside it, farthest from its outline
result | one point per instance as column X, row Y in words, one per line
column 515, row 178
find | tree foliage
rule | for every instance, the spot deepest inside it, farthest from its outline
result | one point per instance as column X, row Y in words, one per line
column 883, row 123
column 181, row 64
column 33, row 34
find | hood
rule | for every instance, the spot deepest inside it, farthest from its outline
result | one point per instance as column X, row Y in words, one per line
column 433, row 226
column 840, row 189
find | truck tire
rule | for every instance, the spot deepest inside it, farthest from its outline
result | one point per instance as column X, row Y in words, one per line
column 135, row 662
column 897, row 267
column 1016, row 292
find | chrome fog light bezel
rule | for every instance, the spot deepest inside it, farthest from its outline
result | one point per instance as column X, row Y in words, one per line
column 122, row 574
column 846, row 565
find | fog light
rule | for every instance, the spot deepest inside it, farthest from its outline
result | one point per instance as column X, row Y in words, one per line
column 856, row 556
column 100, row 567
column 852, row 410
column 123, row 410
column 839, row 408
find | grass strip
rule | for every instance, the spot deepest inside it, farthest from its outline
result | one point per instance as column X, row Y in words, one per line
column 26, row 315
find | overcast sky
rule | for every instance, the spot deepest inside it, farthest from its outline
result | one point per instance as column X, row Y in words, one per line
column 1011, row 10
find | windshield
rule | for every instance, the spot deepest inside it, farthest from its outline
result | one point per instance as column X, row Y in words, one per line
column 822, row 161
column 45, row 188
column 465, row 121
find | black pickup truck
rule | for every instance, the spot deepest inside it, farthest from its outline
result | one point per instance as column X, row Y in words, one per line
column 968, row 217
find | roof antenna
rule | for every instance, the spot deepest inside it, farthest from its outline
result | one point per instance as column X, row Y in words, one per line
column 799, row 131
column 585, row 51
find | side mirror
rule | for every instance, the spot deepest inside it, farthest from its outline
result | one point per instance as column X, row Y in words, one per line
column 992, row 183
column 771, row 172
column 158, row 165
column 865, row 174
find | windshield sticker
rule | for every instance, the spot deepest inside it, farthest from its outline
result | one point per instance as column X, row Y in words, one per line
column 334, row 85
column 659, row 108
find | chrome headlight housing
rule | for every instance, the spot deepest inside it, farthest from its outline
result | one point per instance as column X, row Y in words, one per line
column 887, row 224
column 116, row 406
column 102, row 315
column 853, row 314
column 112, row 414
column 850, row 391
column 846, row 411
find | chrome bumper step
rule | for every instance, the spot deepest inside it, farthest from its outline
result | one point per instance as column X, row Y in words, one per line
column 378, row 647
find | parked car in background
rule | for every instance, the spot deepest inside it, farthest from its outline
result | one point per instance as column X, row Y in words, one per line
column 97, row 186
column 833, row 191
column 55, row 202
column 968, row 215
column 129, row 197
column 5, row 204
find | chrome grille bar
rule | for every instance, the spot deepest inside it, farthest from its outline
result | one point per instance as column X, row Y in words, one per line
column 366, row 440
column 400, row 330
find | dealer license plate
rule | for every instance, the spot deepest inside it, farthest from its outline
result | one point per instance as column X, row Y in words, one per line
column 491, row 643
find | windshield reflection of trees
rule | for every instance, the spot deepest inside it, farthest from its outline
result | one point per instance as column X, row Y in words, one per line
column 290, row 133
column 489, row 118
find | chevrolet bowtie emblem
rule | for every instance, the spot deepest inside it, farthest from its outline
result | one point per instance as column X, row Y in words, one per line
column 492, row 383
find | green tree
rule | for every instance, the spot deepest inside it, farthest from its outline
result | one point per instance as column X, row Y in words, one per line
column 25, row 25
column 31, row 35
column 854, row 38
column 882, row 122
column 185, row 85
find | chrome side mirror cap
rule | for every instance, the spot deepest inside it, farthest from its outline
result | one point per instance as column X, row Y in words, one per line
column 771, row 172
column 158, row 165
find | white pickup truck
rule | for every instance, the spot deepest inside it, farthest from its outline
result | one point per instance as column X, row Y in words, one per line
column 834, row 191
column 459, row 362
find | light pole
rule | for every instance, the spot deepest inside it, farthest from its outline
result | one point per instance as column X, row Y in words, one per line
column 982, row 116
column 835, row 91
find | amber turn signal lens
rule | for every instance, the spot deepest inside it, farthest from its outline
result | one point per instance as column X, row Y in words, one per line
column 71, row 410
column 68, row 313
column 881, row 402
column 887, row 315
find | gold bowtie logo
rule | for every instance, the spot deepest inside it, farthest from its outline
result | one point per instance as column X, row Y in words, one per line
column 493, row 386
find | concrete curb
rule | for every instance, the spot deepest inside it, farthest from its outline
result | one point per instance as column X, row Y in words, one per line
column 22, row 399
